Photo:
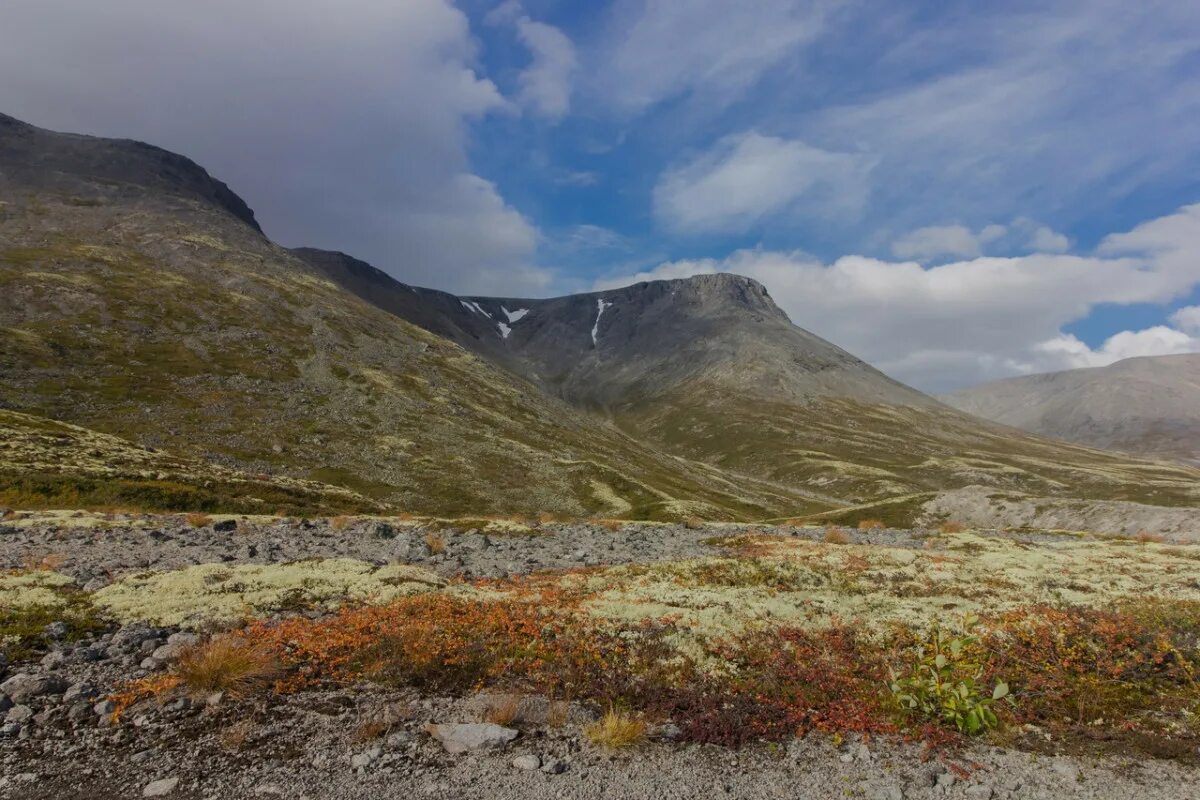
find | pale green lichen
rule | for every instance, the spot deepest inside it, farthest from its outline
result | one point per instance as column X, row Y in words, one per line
column 30, row 589
column 224, row 593
column 814, row 584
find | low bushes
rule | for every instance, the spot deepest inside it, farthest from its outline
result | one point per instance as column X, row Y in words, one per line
column 1131, row 667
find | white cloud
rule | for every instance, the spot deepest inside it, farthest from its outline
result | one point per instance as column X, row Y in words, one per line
column 546, row 82
column 1068, row 352
column 940, row 240
column 749, row 176
column 964, row 322
column 343, row 124
column 1045, row 240
column 662, row 49
column 1187, row 319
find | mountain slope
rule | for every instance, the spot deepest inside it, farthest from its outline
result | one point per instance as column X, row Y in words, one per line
column 1149, row 406
column 138, row 298
column 49, row 464
column 711, row 369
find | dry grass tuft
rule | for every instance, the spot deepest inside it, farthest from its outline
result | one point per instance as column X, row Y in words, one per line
column 436, row 542
column 693, row 523
column 503, row 710
column 836, row 536
column 225, row 664
column 558, row 713
column 340, row 523
column 616, row 730
column 369, row 731
column 608, row 524
column 870, row 524
column 1146, row 537
column 952, row 526
column 197, row 520
column 236, row 735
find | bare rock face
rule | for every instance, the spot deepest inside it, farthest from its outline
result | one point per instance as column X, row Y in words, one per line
column 1148, row 406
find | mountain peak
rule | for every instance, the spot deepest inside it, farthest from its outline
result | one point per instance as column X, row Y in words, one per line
column 708, row 294
column 38, row 159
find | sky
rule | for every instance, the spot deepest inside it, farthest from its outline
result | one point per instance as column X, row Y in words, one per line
column 954, row 191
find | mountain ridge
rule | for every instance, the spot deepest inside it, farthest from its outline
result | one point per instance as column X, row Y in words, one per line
column 154, row 311
column 1146, row 405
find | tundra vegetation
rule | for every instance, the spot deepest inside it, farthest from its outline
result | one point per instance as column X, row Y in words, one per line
column 1012, row 638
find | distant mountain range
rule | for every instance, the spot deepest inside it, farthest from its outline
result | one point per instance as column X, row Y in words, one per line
column 1148, row 406
column 138, row 297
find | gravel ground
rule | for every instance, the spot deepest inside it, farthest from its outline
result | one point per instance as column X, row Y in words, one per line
column 94, row 555
column 56, row 742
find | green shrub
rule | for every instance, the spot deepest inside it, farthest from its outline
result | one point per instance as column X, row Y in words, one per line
column 944, row 683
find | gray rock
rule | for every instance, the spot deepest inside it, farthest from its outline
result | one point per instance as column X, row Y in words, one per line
column 55, row 630
column 53, row 660
column 225, row 526
column 981, row 791
column 160, row 788
column 529, row 761
column 80, row 690
column 366, row 759
column 104, row 707
column 554, row 766
column 19, row 714
column 469, row 737
column 9, row 730
column 23, row 686
column 5, row 703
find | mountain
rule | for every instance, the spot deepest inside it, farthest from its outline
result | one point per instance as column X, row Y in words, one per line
column 1148, row 406
column 711, row 369
column 139, row 299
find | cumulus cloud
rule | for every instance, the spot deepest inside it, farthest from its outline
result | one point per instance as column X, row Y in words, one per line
column 749, row 176
column 1046, row 240
column 1187, row 319
column 546, row 82
column 343, row 124
column 967, row 321
column 1067, row 351
column 939, row 240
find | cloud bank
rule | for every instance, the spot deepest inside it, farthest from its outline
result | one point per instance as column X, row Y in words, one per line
column 967, row 321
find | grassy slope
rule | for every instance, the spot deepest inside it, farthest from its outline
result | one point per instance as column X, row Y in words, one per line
column 862, row 452
column 49, row 464
column 166, row 321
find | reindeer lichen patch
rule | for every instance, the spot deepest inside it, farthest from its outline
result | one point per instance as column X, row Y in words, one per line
column 29, row 589
column 224, row 593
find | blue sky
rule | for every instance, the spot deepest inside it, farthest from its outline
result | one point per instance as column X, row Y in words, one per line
column 954, row 191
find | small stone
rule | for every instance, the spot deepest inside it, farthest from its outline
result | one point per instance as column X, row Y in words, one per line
column 19, row 714
column 53, row 660
column 55, row 630
column 527, row 762
column 9, row 730
column 5, row 703
column 214, row 699
column 104, row 707
column 554, row 766
column 184, row 638
column 366, row 759
column 160, row 788
column 225, row 526
column 846, row 758
column 946, row 779
column 980, row 791
column 150, row 663
column 466, row 737
column 80, row 690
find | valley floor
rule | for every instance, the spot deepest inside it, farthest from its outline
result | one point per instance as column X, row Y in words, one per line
column 486, row 620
